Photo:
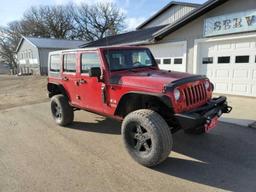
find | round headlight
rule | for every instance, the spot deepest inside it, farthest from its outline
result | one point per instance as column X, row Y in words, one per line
column 176, row 94
column 207, row 85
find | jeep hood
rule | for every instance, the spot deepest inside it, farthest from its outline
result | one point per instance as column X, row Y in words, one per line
column 152, row 79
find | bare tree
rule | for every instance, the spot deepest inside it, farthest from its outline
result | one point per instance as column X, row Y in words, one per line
column 86, row 22
column 7, row 55
column 95, row 21
column 49, row 21
column 9, row 39
column 43, row 21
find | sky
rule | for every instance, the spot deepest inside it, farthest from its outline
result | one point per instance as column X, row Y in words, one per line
column 136, row 11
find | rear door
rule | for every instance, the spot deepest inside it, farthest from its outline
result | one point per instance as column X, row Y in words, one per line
column 69, row 76
column 90, row 89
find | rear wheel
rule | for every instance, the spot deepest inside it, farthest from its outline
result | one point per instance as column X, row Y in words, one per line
column 147, row 137
column 62, row 112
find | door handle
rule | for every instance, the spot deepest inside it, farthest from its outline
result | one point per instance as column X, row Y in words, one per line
column 65, row 79
column 82, row 81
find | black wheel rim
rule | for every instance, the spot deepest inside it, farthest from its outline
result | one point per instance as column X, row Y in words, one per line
column 56, row 111
column 139, row 138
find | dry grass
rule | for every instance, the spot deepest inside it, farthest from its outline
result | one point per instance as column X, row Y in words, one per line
column 18, row 91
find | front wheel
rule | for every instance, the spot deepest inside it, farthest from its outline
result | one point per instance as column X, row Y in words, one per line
column 62, row 112
column 147, row 137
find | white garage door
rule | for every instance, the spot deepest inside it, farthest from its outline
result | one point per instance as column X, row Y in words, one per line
column 170, row 56
column 230, row 65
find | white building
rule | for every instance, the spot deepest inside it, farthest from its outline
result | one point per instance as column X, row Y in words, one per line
column 217, row 38
column 32, row 52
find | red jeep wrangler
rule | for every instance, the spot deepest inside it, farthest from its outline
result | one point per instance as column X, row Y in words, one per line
column 125, row 83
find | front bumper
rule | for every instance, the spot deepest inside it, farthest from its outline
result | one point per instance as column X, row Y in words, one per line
column 203, row 116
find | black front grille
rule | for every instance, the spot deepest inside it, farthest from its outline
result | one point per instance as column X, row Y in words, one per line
column 195, row 94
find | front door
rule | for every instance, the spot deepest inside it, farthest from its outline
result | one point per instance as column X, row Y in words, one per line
column 69, row 76
column 89, row 88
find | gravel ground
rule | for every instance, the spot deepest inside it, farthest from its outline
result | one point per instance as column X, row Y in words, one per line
column 18, row 91
column 37, row 155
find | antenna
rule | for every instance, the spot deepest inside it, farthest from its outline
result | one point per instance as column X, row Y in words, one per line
column 109, row 32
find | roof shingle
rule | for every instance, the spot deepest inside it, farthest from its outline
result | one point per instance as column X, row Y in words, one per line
column 55, row 43
column 132, row 37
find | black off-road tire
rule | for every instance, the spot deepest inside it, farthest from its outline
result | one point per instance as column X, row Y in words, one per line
column 195, row 131
column 62, row 112
column 152, row 125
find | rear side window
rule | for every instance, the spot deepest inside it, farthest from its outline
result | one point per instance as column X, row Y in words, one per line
column 89, row 60
column 55, row 63
column 69, row 63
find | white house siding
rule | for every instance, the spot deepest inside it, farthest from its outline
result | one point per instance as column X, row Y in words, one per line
column 170, row 52
column 238, row 76
column 170, row 16
column 28, row 58
column 235, row 74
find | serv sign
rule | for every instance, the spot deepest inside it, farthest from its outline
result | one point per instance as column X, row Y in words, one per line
column 231, row 23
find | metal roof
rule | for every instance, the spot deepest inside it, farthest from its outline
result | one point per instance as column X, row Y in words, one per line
column 134, row 37
column 50, row 43
column 165, row 8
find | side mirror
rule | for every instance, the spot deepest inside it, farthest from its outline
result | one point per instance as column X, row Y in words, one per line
column 95, row 72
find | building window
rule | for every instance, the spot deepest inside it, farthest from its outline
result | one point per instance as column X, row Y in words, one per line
column 243, row 59
column 89, row 60
column 30, row 54
column 178, row 61
column 223, row 60
column 208, row 60
column 55, row 63
column 69, row 61
column 158, row 61
column 167, row 61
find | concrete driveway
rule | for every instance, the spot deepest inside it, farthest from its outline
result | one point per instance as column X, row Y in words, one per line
column 243, row 112
column 37, row 155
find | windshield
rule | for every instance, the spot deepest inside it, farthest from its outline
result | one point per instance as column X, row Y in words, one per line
column 129, row 59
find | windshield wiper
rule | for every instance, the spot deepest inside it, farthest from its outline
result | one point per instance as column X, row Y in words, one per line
column 132, row 70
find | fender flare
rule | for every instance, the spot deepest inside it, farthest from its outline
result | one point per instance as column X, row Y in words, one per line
column 162, row 97
column 51, row 87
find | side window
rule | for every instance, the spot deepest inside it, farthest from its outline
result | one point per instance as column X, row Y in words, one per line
column 178, row 61
column 243, row 59
column 223, row 60
column 89, row 60
column 167, row 61
column 69, row 63
column 55, row 63
column 208, row 60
